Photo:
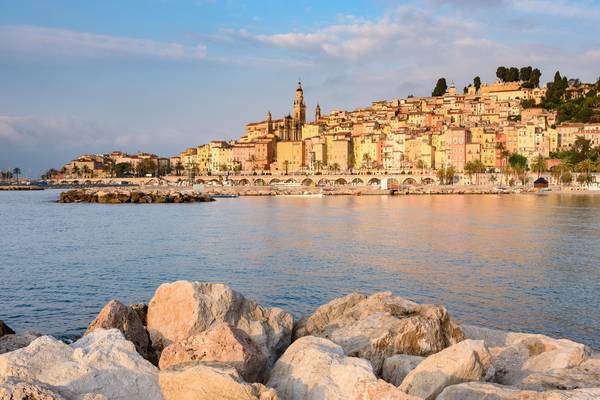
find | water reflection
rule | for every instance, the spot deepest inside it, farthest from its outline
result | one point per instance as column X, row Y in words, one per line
column 526, row 262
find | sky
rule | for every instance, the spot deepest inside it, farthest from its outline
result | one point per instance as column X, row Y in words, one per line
column 159, row 76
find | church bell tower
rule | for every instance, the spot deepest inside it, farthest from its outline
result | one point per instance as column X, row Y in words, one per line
column 299, row 106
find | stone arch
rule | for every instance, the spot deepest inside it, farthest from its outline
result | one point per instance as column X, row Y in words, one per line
column 75, row 182
column 323, row 182
column 357, row 181
column 409, row 181
column 341, row 181
column 393, row 183
column 308, row 182
column 374, row 181
column 290, row 180
column 243, row 182
column 87, row 182
column 259, row 182
column 428, row 181
column 274, row 181
column 199, row 180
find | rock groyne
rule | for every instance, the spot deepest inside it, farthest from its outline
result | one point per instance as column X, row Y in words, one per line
column 199, row 340
column 135, row 196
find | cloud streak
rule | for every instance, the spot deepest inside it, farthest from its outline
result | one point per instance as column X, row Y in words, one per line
column 62, row 43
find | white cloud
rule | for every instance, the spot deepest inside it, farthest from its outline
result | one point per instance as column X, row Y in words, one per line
column 62, row 43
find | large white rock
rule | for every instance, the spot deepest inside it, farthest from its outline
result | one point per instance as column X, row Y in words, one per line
column 102, row 363
column 181, row 309
column 585, row 375
column 466, row 361
column 13, row 389
column 198, row 380
column 518, row 355
column 488, row 391
column 381, row 325
column 395, row 368
column 314, row 368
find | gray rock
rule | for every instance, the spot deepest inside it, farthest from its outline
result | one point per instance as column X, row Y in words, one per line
column 489, row 391
column 395, row 368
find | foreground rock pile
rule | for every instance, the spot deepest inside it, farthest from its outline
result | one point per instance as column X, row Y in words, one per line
column 197, row 340
column 137, row 196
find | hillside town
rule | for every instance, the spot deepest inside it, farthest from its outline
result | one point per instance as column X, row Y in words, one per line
column 476, row 129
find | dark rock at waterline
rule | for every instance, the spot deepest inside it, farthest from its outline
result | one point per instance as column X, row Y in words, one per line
column 123, row 196
column 5, row 329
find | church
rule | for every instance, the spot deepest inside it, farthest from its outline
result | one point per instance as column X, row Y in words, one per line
column 288, row 128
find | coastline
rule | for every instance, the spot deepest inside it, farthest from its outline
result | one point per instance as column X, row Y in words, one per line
column 359, row 346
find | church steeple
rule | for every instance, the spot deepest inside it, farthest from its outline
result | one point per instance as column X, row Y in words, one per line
column 299, row 107
column 317, row 113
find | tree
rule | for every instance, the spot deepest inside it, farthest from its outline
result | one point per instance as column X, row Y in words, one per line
column 146, row 167
column 440, row 88
column 501, row 73
column 178, row 168
column 318, row 165
column 586, row 167
column 539, row 165
column 75, row 170
column 85, row 171
column 16, row 172
column 421, row 165
column 286, row 163
column 441, row 175
column 450, row 172
column 536, row 74
column 512, row 75
column 518, row 164
column 560, row 171
column 525, row 73
column 477, row 83
column 469, row 169
column 479, row 168
column 366, row 161
column 123, row 169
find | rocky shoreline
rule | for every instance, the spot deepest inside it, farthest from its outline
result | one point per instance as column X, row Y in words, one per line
column 198, row 340
column 133, row 196
column 20, row 187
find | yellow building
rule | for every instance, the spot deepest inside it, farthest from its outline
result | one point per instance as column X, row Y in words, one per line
column 203, row 158
column 341, row 158
column 554, row 139
column 290, row 156
column 367, row 150
column 473, row 152
column 488, row 148
column 221, row 157
column 310, row 131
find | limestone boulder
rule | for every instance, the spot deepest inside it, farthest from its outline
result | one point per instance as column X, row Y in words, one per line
column 314, row 368
column 221, row 343
column 15, row 390
column 12, row 342
column 516, row 355
column 378, row 326
column 466, row 361
column 5, row 329
column 116, row 315
column 182, row 309
column 395, row 368
column 209, row 381
column 585, row 375
column 102, row 363
column 479, row 391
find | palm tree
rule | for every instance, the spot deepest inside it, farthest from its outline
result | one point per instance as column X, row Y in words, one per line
column 479, row 168
column 16, row 172
column 178, row 168
column 75, row 170
column 470, row 170
column 86, row 171
column 318, row 165
column 559, row 171
column 586, row 166
column 366, row 160
column 335, row 167
column 539, row 165
column 286, row 164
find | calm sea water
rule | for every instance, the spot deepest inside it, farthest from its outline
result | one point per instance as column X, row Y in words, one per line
column 519, row 262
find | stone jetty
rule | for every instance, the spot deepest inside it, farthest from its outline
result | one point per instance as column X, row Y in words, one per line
column 20, row 187
column 198, row 340
column 133, row 195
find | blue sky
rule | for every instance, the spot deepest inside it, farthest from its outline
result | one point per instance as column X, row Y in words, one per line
column 162, row 75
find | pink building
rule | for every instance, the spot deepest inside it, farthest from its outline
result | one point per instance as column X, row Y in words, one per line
column 456, row 140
